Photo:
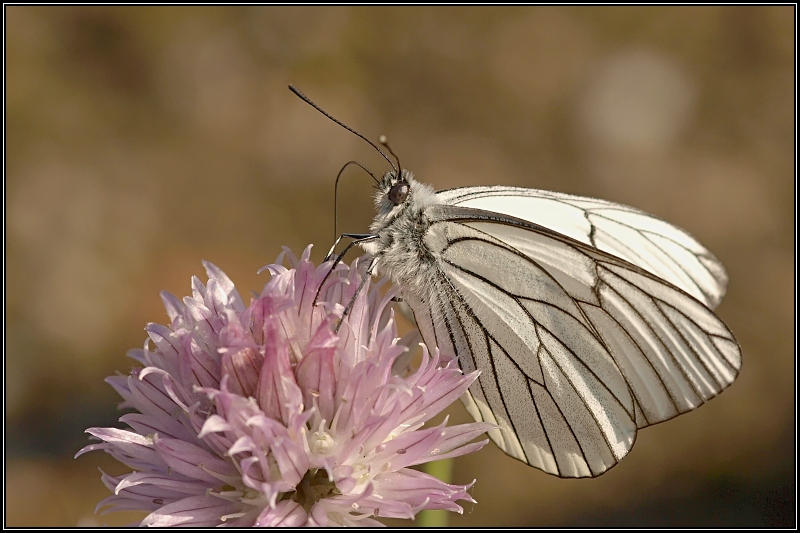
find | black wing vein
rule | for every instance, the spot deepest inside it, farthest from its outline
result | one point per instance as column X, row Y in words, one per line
column 570, row 350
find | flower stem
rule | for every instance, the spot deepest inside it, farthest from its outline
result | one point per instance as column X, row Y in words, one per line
column 443, row 470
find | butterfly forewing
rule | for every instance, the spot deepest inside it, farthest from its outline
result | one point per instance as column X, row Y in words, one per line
column 625, row 232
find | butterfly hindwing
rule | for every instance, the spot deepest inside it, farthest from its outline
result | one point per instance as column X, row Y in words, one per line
column 546, row 379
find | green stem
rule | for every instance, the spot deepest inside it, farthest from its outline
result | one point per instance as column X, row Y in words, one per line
column 443, row 470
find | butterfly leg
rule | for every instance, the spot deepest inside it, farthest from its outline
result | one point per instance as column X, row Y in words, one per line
column 357, row 239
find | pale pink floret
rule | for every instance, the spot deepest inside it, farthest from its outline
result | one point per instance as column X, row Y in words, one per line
column 262, row 415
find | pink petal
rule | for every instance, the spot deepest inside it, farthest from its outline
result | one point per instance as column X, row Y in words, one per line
column 285, row 514
column 201, row 511
column 203, row 367
column 214, row 424
column 167, row 342
column 405, row 449
column 225, row 283
column 149, row 397
column 316, row 377
column 453, row 440
column 129, row 446
column 162, row 484
column 278, row 394
column 164, row 426
column 242, row 366
column 174, row 307
column 420, row 490
column 193, row 461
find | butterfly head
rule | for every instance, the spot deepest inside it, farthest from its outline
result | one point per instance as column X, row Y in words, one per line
column 398, row 193
column 393, row 192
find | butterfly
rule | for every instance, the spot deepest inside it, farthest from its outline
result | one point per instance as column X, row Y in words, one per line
column 587, row 319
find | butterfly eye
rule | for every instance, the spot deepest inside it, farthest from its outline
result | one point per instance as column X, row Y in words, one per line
column 398, row 193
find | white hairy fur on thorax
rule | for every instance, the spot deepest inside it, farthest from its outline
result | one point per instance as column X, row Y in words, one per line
column 400, row 249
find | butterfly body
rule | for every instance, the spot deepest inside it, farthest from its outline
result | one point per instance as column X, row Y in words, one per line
column 587, row 319
column 401, row 230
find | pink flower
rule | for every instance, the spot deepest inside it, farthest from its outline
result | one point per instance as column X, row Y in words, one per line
column 263, row 415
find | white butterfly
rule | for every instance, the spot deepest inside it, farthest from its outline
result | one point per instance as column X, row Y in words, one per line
column 588, row 319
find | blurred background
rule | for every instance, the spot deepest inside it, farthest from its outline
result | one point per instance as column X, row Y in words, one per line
column 140, row 140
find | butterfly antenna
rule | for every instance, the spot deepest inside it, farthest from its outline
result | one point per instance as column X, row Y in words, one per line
column 336, row 191
column 385, row 143
column 307, row 100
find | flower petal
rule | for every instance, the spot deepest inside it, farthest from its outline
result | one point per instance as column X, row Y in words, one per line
column 199, row 511
column 193, row 461
column 285, row 514
column 278, row 394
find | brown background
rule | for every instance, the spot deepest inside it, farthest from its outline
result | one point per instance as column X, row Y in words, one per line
column 142, row 140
